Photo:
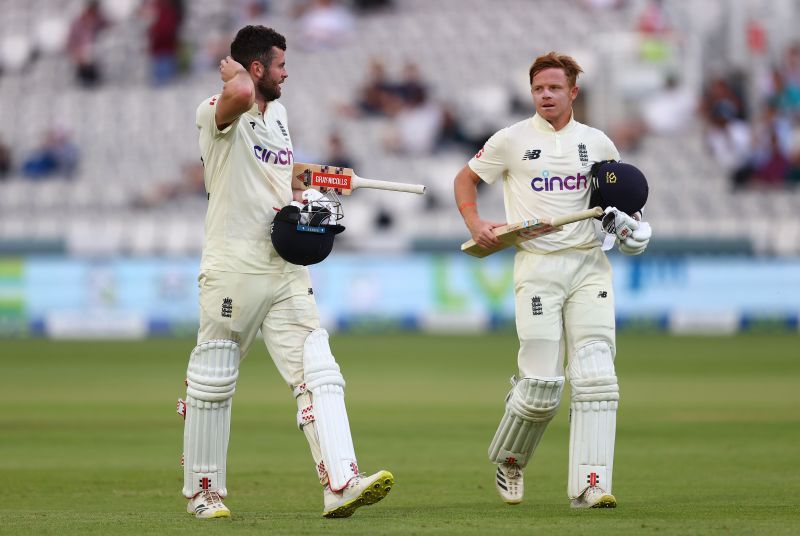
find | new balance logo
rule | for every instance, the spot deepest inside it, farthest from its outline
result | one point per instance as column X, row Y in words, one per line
column 252, row 124
column 532, row 154
column 602, row 294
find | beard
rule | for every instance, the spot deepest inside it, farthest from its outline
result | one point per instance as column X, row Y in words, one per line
column 268, row 89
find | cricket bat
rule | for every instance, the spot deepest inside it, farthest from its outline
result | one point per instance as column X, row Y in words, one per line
column 343, row 180
column 517, row 233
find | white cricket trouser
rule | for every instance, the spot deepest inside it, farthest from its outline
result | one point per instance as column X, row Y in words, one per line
column 564, row 300
column 234, row 306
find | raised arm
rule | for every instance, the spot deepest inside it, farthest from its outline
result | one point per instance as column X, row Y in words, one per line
column 465, row 187
column 238, row 92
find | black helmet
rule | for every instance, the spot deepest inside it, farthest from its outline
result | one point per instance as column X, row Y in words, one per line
column 615, row 184
column 302, row 244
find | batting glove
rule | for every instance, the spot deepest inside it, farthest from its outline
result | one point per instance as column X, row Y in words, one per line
column 633, row 236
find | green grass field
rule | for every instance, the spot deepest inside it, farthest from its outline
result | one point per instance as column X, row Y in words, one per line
column 707, row 443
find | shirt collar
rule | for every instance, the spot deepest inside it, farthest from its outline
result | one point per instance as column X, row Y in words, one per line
column 541, row 124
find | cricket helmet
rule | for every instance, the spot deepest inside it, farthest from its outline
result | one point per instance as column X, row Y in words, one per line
column 303, row 243
column 616, row 184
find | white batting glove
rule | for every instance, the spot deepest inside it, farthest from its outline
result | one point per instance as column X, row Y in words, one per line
column 637, row 242
column 633, row 236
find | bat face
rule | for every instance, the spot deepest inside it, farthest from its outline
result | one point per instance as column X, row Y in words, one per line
column 324, row 178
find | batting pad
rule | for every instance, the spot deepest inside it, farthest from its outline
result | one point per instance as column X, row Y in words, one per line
column 326, row 384
column 211, row 382
column 593, row 418
column 530, row 406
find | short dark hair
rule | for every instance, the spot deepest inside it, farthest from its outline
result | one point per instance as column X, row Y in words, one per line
column 554, row 60
column 254, row 43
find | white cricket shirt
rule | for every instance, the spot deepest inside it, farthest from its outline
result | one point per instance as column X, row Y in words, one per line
column 545, row 173
column 248, row 174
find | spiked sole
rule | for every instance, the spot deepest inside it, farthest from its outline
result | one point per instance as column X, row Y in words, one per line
column 606, row 501
column 374, row 493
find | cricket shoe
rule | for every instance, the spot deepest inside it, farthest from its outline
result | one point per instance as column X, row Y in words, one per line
column 594, row 497
column 509, row 482
column 360, row 491
column 207, row 505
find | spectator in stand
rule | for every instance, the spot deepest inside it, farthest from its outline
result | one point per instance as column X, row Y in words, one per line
column 669, row 110
column 81, row 44
column 722, row 97
column 57, row 156
column 166, row 17
column 730, row 142
column 411, row 85
column 773, row 167
column 5, row 161
column 784, row 94
column 323, row 24
column 417, row 126
column 773, row 139
column 654, row 19
column 374, row 96
column 190, row 185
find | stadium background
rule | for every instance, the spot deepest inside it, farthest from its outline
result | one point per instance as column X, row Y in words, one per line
column 102, row 241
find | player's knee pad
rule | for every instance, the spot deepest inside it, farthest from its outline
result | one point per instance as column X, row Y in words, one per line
column 210, row 385
column 593, row 409
column 592, row 375
column 530, row 406
column 326, row 384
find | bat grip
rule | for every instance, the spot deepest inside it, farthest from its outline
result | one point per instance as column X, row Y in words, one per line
column 595, row 212
column 388, row 185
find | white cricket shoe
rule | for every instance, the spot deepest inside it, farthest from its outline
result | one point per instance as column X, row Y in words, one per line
column 207, row 505
column 509, row 482
column 360, row 491
column 594, row 497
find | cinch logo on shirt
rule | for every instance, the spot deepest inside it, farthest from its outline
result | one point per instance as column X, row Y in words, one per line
column 284, row 156
column 546, row 183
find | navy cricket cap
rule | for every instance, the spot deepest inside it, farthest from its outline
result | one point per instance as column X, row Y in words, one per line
column 615, row 184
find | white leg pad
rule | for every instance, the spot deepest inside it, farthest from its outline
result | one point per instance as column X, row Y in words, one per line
column 306, row 423
column 530, row 406
column 593, row 418
column 326, row 384
column 211, row 382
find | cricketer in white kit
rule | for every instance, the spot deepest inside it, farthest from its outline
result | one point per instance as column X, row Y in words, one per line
column 246, row 286
column 562, row 283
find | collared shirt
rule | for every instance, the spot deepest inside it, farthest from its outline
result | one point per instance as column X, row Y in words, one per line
column 248, row 175
column 545, row 173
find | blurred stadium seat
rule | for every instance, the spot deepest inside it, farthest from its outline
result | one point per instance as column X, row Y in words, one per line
column 473, row 54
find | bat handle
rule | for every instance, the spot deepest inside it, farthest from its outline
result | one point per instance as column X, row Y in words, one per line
column 595, row 212
column 392, row 186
